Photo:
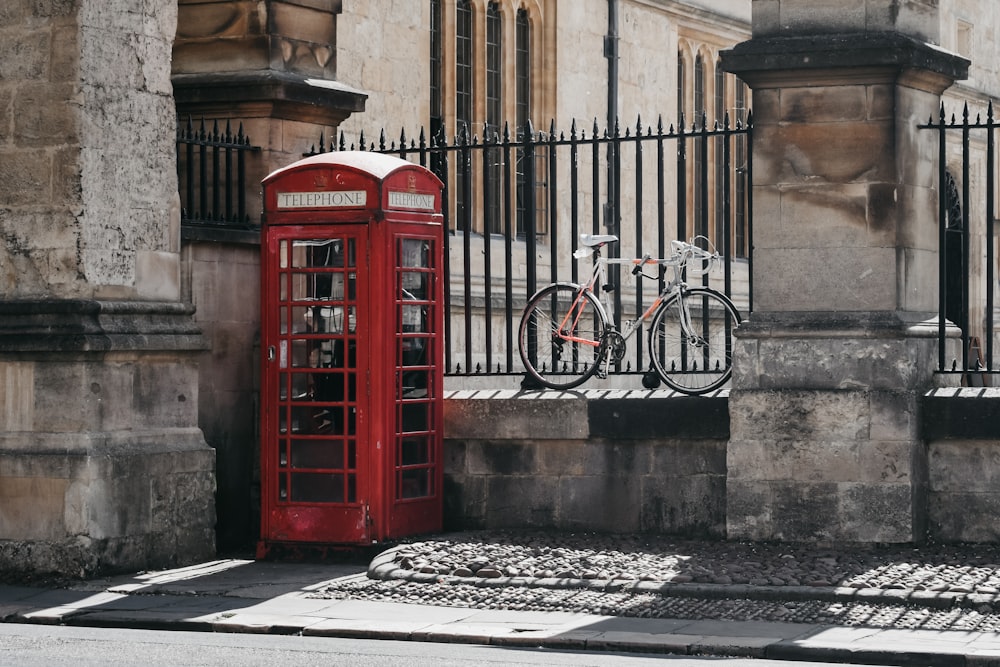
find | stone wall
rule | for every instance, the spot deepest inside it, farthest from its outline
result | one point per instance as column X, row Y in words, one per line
column 604, row 461
column 619, row 461
column 962, row 427
column 83, row 213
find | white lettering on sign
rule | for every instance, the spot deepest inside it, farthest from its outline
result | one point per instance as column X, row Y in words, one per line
column 398, row 199
column 332, row 199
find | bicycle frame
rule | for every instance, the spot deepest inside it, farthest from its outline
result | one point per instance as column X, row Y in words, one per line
column 598, row 277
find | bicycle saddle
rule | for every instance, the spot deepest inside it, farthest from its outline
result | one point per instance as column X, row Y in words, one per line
column 591, row 240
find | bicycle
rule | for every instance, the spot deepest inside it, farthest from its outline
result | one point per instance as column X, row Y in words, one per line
column 567, row 335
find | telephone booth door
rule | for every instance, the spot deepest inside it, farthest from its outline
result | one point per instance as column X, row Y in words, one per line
column 414, row 457
column 351, row 340
column 320, row 487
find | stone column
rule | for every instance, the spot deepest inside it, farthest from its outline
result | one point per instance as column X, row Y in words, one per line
column 102, row 465
column 830, row 365
column 270, row 65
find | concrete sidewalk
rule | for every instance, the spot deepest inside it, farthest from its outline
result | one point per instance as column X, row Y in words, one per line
column 266, row 597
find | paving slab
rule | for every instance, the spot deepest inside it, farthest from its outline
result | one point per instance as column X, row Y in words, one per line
column 653, row 626
column 396, row 611
column 770, row 629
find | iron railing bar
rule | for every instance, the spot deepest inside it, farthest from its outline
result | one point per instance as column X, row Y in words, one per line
column 614, row 220
column 990, row 231
column 574, row 203
column 942, row 239
column 639, row 342
column 748, row 138
column 965, row 238
column 508, row 239
column 489, row 173
column 553, row 202
column 466, row 223
column 530, row 231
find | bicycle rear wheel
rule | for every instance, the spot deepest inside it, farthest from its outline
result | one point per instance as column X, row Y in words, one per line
column 701, row 361
column 561, row 336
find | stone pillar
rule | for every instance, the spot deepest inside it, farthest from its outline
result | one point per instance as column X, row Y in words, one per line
column 270, row 65
column 102, row 465
column 825, row 441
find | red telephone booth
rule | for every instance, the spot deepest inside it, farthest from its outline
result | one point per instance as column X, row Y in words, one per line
column 351, row 323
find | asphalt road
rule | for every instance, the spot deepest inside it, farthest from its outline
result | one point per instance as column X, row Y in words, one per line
column 60, row 646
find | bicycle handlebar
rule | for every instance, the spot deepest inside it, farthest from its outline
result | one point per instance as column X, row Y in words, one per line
column 695, row 259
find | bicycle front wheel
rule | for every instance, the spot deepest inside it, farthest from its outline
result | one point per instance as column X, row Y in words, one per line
column 561, row 336
column 699, row 360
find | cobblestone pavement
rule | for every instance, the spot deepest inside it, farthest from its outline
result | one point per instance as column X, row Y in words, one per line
column 929, row 587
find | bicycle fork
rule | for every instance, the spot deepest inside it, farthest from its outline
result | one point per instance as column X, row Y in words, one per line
column 691, row 337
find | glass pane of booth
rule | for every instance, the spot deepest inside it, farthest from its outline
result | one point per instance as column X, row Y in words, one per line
column 317, row 370
column 324, row 453
column 318, row 488
column 415, row 253
column 415, row 483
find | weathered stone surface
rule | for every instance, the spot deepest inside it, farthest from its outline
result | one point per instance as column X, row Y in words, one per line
column 72, row 97
column 118, row 500
column 825, row 278
column 964, row 517
column 689, row 505
column 800, row 416
column 602, row 502
column 668, row 482
column 522, row 501
column 522, row 417
column 770, row 360
column 918, row 17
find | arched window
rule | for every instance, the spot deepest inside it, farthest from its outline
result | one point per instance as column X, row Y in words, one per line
column 522, row 68
column 699, row 88
column 494, row 68
column 463, row 63
column 494, row 116
column 437, row 106
column 681, row 82
column 487, row 85
column 463, row 93
column 740, row 159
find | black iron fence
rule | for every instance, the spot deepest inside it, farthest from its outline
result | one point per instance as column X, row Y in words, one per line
column 211, row 175
column 515, row 204
column 967, row 242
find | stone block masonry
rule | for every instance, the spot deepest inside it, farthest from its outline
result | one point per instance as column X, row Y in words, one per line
column 650, row 462
column 603, row 461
